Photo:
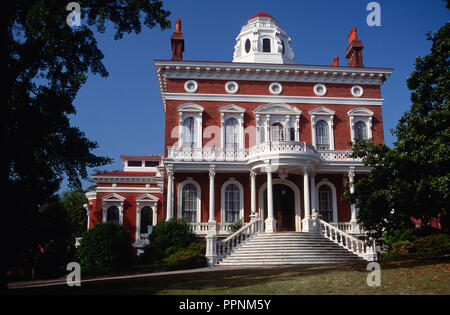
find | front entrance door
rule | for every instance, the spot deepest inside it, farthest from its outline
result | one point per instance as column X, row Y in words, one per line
column 283, row 207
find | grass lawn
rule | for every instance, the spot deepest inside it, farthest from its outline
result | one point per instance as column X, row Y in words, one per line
column 423, row 276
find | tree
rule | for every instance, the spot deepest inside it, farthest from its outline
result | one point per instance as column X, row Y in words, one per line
column 47, row 63
column 412, row 179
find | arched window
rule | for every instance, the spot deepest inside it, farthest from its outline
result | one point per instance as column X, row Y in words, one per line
column 189, row 203
column 232, row 203
column 361, row 130
column 292, row 133
column 231, row 134
column 112, row 214
column 189, row 134
column 322, row 135
column 326, row 203
column 146, row 219
column 276, row 131
column 266, row 45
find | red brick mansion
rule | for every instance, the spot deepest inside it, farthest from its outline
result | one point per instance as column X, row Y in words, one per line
column 260, row 139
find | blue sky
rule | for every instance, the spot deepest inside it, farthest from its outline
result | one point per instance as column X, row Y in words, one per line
column 123, row 113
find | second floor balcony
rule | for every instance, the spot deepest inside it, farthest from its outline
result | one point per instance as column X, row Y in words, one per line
column 260, row 151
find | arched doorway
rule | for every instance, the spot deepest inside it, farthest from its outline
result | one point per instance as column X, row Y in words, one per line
column 283, row 207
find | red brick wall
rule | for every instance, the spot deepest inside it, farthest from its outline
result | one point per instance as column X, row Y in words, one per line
column 211, row 115
column 129, row 207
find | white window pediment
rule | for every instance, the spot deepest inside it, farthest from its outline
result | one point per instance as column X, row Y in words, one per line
column 191, row 108
column 113, row 198
column 277, row 109
column 360, row 112
column 147, row 198
column 322, row 111
column 232, row 109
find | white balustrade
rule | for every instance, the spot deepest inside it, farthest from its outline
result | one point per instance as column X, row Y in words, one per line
column 202, row 228
column 232, row 154
column 354, row 245
column 227, row 246
column 343, row 226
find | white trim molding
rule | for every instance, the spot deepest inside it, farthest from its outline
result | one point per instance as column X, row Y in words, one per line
column 110, row 201
column 327, row 115
column 195, row 111
column 222, row 198
column 199, row 199
column 236, row 112
column 145, row 200
column 360, row 114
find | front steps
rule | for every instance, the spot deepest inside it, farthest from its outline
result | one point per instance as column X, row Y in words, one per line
column 289, row 248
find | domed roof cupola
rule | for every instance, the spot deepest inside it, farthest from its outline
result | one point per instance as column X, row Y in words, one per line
column 262, row 40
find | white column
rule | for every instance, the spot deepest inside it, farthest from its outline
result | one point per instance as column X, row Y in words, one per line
column 212, row 229
column 169, row 212
column 253, row 195
column 271, row 222
column 313, row 194
column 307, row 222
column 353, row 221
column 212, row 174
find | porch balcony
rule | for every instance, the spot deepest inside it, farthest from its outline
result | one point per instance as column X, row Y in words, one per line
column 262, row 150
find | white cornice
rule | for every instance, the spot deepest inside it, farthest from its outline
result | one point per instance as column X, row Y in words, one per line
column 266, row 72
column 129, row 190
column 273, row 99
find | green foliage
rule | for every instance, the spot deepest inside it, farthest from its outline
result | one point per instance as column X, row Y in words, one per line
column 170, row 236
column 236, row 226
column 400, row 236
column 432, row 245
column 411, row 180
column 47, row 63
column 192, row 256
column 105, row 248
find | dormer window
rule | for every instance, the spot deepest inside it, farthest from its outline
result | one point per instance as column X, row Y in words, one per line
column 266, row 45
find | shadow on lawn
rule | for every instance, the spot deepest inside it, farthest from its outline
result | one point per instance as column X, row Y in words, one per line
column 217, row 282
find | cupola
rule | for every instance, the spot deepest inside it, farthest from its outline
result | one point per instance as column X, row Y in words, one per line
column 262, row 40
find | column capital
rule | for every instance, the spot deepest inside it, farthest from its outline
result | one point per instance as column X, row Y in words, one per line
column 351, row 174
column 252, row 174
column 212, row 173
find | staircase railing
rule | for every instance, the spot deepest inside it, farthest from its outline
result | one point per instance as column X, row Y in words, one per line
column 354, row 245
column 227, row 246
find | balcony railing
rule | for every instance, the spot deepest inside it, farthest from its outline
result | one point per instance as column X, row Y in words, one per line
column 202, row 228
column 242, row 155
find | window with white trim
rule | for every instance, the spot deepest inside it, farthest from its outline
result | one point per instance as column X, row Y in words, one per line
column 277, row 132
column 322, row 136
column 232, row 203
column 231, row 134
column 322, row 128
column 146, row 219
column 361, row 130
column 325, row 203
column 360, row 123
column 190, row 126
column 189, row 203
column 189, row 133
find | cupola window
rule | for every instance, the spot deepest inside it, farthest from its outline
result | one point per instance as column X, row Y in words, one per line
column 248, row 45
column 266, row 45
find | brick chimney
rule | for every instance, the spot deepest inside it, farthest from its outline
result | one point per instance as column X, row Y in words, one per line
column 177, row 41
column 354, row 50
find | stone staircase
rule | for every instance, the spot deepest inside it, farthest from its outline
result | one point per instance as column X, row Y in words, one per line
column 288, row 248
